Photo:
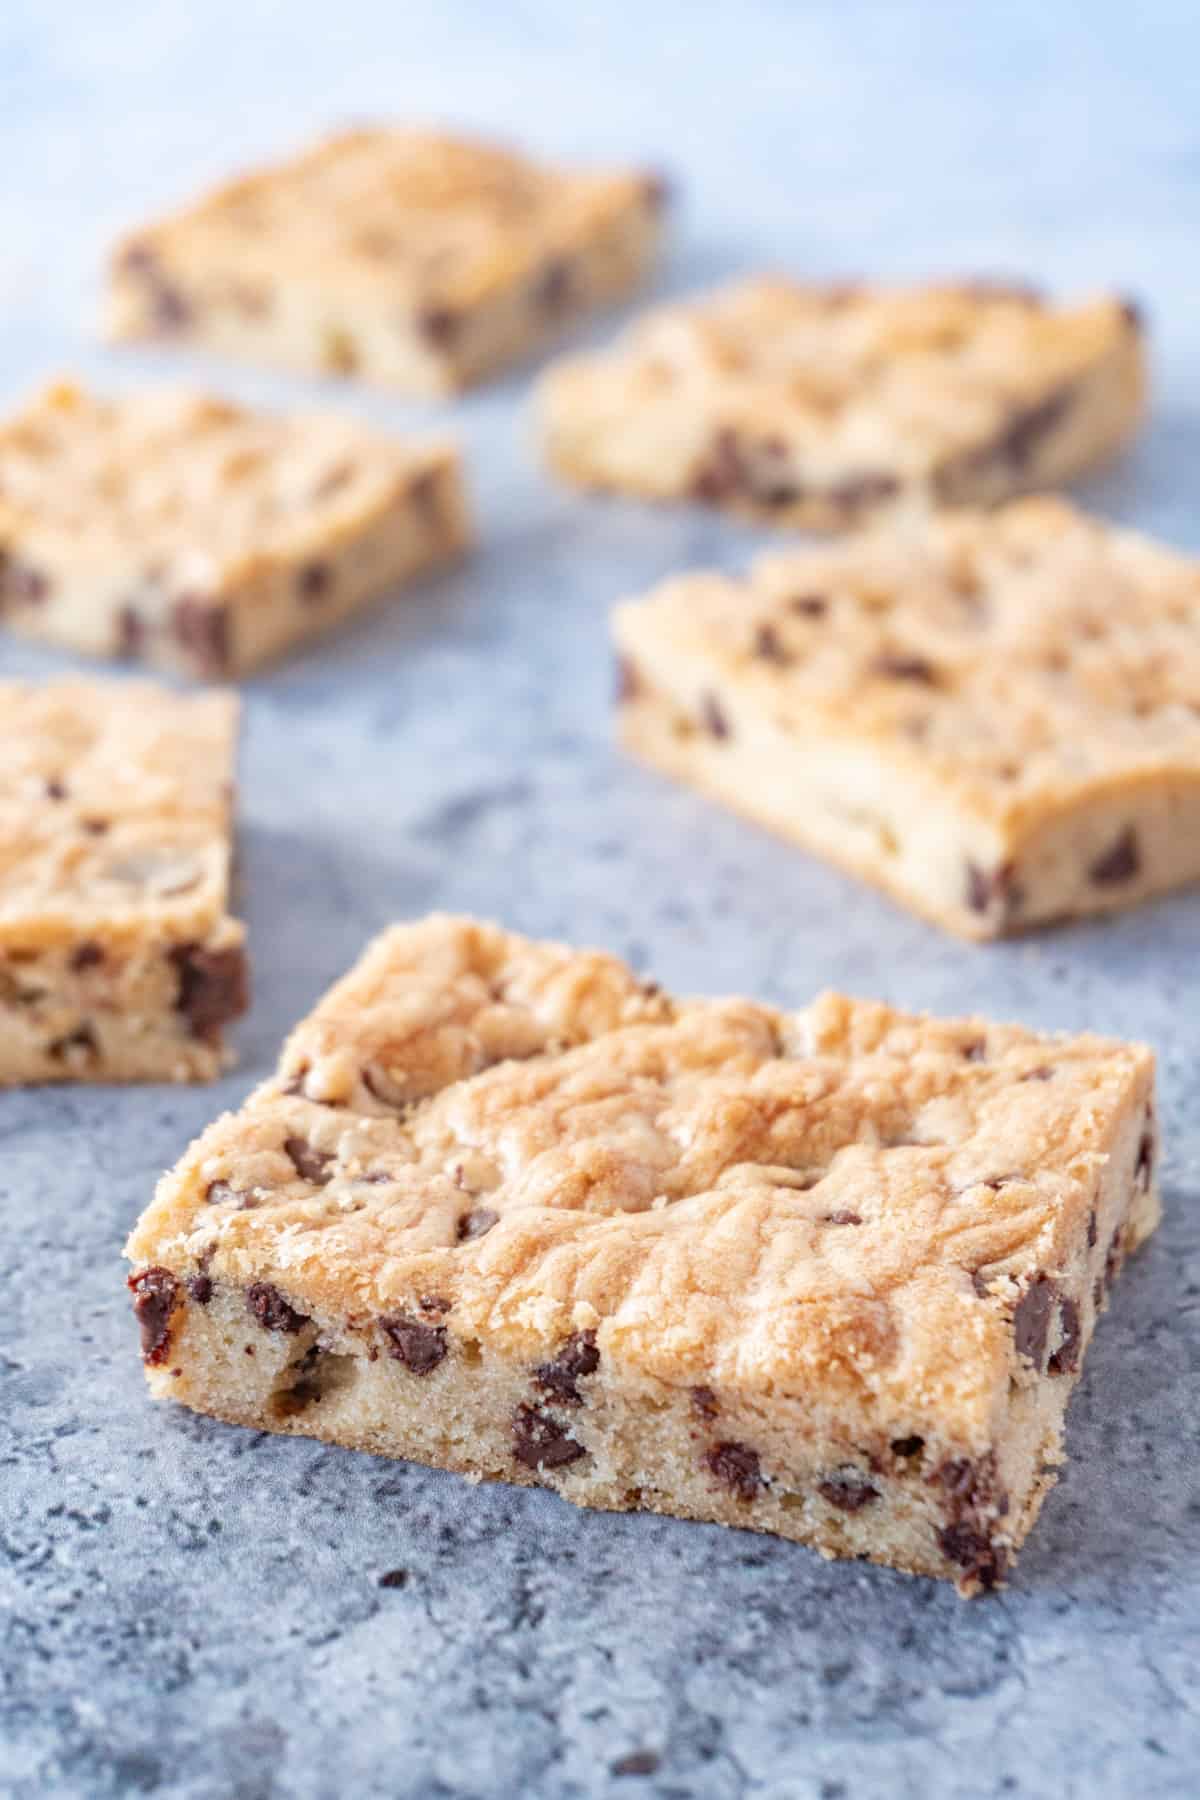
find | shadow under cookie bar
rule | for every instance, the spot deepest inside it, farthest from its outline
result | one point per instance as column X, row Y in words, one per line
column 840, row 1327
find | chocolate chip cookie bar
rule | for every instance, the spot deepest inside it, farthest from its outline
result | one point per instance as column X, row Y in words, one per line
column 827, row 407
column 507, row 1209
column 994, row 717
column 118, row 958
column 405, row 257
column 188, row 533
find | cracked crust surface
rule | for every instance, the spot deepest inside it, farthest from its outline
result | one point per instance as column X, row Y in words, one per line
column 118, row 957
column 995, row 715
column 374, row 236
column 825, row 406
column 826, row 1221
column 182, row 529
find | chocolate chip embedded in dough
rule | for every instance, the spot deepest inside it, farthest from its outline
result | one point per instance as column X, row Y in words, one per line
column 155, row 1292
column 712, row 717
column 1031, row 1320
column 542, row 1443
column 848, row 1490
column 418, row 1346
column 1121, row 862
column 269, row 1309
column 560, row 1377
column 201, row 629
column 736, row 1467
column 476, row 1223
column 214, row 987
column 312, row 1164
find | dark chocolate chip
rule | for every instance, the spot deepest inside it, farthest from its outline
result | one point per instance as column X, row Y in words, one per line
column 704, row 1402
column 56, row 790
column 1031, row 1320
column 1114, row 1257
column 171, row 310
column 637, row 1762
column 393, row 1578
column 736, row 1466
column 88, row 955
column 1030, row 424
column 908, row 1446
column 809, row 606
column 312, row 1164
column 1120, row 862
column 541, row 1443
column 313, row 580
column 576, row 1358
column 627, row 684
column 214, row 987
column 994, row 891
column 220, row 1193
column 975, row 1050
column 972, row 1551
column 552, row 290
column 1043, row 1072
column 269, row 1309
column 1091, row 1230
column 768, row 646
column 201, row 628
column 439, row 325
column 712, row 716
column 200, row 1287
column 95, row 827
column 131, row 632
column 848, row 1490
column 155, row 1292
column 476, row 1223
column 1065, row 1359
column 437, row 1303
column 757, row 471
column 82, row 1038
column 894, row 665
column 419, row 1347
column 1144, row 1166
column 843, row 1217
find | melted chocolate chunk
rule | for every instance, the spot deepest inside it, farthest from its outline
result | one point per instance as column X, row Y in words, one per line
column 704, row 1402
column 908, row 1446
column 809, row 606
column 155, row 1292
column 268, row 1308
column 88, row 955
column 541, row 1443
column 220, row 1193
column 1031, row 1320
column 736, row 1467
column 993, row 891
column 56, row 790
column 843, row 1217
column 312, row 1164
column 476, row 1223
column 1091, row 1229
column 712, row 717
column 974, row 1553
column 1065, row 1359
column 757, row 472
column 214, row 987
column 560, row 1377
column 848, row 1490
column 201, row 628
column 200, row 1287
column 972, row 1497
column 1120, row 862
column 419, row 1347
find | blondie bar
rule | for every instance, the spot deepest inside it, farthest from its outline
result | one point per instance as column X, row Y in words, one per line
column 185, row 532
column 507, row 1209
column 402, row 256
column 118, row 958
column 995, row 717
column 829, row 407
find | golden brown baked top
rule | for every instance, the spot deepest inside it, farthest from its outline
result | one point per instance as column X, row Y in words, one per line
column 189, row 488
column 870, row 378
column 394, row 217
column 724, row 1192
column 1021, row 658
column 115, row 802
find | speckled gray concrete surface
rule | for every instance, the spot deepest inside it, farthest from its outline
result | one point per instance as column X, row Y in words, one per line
column 196, row 1611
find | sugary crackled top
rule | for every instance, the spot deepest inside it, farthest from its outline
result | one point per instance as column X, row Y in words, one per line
column 1022, row 658
column 726, row 1193
column 397, row 215
column 903, row 374
column 115, row 802
column 190, row 486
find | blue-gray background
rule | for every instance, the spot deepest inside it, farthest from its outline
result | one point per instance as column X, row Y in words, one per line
column 196, row 1611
